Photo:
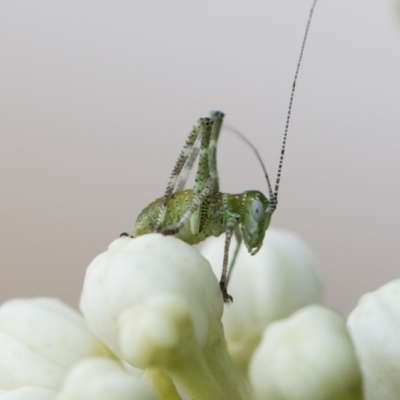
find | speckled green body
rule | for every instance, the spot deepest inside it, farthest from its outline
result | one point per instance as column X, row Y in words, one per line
column 216, row 214
column 193, row 215
column 212, row 220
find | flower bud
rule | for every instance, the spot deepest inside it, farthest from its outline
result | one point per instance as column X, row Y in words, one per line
column 308, row 356
column 104, row 379
column 39, row 340
column 281, row 278
column 156, row 303
column 374, row 326
column 28, row 393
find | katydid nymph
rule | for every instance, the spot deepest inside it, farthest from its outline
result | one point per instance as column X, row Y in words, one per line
column 193, row 215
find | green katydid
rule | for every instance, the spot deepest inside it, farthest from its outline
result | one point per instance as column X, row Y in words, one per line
column 195, row 214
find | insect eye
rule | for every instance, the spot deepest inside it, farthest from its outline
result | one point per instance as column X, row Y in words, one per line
column 257, row 210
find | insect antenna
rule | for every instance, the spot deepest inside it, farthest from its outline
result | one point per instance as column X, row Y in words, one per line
column 274, row 198
column 244, row 138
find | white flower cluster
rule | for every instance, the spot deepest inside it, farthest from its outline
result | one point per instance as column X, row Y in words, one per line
column 154, row 326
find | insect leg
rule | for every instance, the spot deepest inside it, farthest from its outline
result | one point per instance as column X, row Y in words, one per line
column 183, row 176
column 126, row 234
column 223, row 281
column 217, row 117
column 190, row 150
column 202, row 178
column 202, row 189
column 239, row 239
column 196, row 203
column 199, row 220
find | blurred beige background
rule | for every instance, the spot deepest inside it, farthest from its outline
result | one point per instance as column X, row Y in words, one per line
column 97, row 99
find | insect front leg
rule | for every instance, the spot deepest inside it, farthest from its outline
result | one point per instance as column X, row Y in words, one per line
column 239, row 239
column 223, row 281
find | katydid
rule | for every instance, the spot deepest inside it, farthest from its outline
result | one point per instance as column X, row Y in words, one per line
column 196, row 214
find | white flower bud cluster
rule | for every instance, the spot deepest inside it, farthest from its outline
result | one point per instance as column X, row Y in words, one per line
column 151, row 330
column 281, row 278
column 40, row 339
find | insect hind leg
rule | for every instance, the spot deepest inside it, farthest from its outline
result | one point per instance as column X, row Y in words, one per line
column 197, row 201
column 207, row 173
column 180, row 171
column 206, row 180
column 217, row 118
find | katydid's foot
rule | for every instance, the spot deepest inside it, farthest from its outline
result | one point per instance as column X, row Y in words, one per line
column 126, row 234
column 226, row 296
column 169, row 232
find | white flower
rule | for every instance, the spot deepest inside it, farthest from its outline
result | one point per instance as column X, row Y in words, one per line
column 28, row 393
column 104, row 379
column 281, row 278
column 374, row 326
column 308, row 356
column 39, row 340
column 156, row 303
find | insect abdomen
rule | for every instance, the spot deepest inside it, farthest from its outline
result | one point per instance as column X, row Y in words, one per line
column 177, row 206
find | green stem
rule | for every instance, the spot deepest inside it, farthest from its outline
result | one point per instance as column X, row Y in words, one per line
column 208, row 373
column 163, row 383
